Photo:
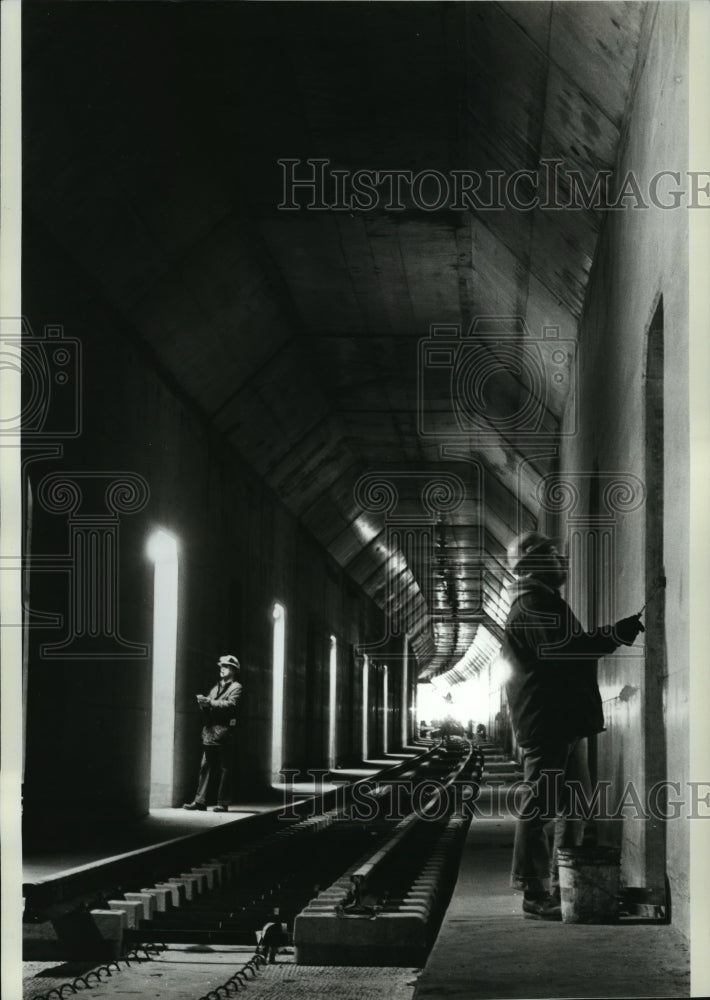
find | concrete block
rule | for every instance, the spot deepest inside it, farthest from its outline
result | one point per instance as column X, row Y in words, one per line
column 111, row 925
column 235, row 860
column 132, row 908
column 207, row 875
column 220, row 870
column 162, row 895
column 230, row 865
column 185, row 884
column 174, row 890
column 199, row 882
column 147, row 899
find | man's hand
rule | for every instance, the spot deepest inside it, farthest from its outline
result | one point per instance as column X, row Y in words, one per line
column 626, row 629
column 202, row 700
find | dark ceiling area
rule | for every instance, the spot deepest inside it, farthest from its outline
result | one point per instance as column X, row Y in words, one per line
column 153, row 134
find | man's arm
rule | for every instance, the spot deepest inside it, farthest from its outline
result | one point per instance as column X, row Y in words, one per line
column 227, row 703
column 550, row 631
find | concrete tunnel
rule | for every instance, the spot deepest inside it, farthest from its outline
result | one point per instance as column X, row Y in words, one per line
column 322, row 305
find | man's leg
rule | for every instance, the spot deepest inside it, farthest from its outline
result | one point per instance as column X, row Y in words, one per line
column 569, row 831
column 203, row 779
column 224, row 792
column 543, row 768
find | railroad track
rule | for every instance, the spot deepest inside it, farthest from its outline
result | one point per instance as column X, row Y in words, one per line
column 385, row 839
column 375, row 848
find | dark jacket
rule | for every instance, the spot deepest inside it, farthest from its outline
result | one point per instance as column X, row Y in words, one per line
column 552, row 686
column 221, row 714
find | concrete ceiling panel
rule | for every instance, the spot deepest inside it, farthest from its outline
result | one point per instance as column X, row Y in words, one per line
column 311, row 466
column 562, row 252
column 506, row 108
column 577, row 131
column 595, row 44
column 533, row 18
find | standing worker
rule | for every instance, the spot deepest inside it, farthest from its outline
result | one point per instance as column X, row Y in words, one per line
column 218, row 735
column 555, row 705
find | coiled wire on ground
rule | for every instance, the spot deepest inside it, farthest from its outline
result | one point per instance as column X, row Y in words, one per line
column 94, row 976
column 238, row 980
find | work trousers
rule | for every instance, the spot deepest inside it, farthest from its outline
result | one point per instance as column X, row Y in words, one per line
column 217, row 759
column 541, row 811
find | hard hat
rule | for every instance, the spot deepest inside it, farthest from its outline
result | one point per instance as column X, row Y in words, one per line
column 229, row 661
column 524, row 548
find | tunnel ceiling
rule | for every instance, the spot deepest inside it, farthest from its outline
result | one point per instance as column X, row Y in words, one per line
column 152, row 135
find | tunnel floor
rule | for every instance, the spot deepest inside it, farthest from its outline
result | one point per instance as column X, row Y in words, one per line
column 487, row 949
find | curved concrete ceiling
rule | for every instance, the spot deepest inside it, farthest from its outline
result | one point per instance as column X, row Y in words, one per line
column 153, row 135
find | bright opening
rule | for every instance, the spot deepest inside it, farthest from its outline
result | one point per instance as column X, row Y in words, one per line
column 163, row 551
column 277, row 701
column 332, row 700
column 404, row 734
column 365, row 706
column 385, row 708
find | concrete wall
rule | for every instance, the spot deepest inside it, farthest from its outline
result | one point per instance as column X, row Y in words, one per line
column 88, row 723
column 642, row 256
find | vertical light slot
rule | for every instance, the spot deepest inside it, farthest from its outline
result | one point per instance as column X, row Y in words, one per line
column 365, row 706
column 278, row 615
column 332, row 701
column 405, row 693
column 385, row 709
column 163, row 551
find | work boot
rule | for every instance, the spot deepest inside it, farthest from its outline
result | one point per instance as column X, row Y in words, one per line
column 195, row 805
column 544, row 907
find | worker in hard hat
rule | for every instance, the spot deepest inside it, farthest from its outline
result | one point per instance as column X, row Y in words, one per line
column 219, row 711
column 554, row 705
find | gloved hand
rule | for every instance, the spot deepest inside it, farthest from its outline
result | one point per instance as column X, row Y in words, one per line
column 626, row 629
